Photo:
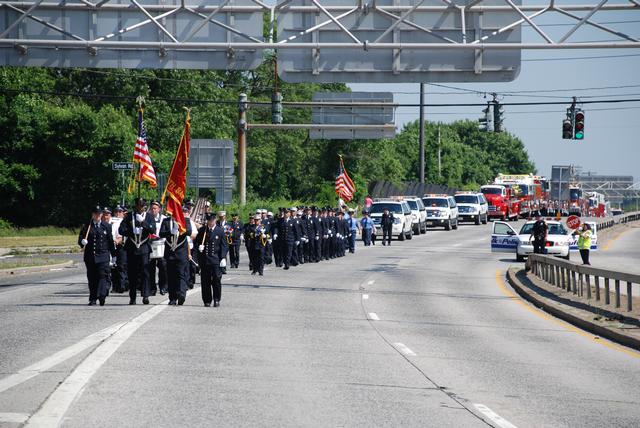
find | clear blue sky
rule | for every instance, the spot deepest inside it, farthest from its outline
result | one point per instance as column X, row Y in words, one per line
column 612, row 137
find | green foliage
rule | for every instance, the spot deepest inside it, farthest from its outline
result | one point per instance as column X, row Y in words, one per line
column 56, row 151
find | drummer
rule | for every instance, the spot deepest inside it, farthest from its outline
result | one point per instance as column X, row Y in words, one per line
column 157, row 260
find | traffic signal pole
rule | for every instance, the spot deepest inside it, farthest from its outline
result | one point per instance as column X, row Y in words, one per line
column 421, row 133
column 242, row 148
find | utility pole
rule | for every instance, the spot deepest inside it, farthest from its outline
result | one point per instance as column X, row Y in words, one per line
column 439, row 155
column 242, row 148
column 422, row 133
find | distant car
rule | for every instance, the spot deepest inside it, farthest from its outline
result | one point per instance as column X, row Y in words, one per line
column 418, row 213
column 402, row 227
column 504, row 239
column 472, row 207
column 442, row 210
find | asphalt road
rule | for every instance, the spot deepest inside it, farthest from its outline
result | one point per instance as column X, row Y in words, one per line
column 422, row 333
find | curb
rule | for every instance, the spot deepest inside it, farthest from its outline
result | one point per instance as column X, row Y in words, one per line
column 34, row 269
column 541, row 302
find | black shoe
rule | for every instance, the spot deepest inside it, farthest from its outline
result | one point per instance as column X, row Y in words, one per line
column 260, row 273
column 163, row 291
column 216, row 303
column 153, row 293
column 145, row 300
column 253, row 273
column 206, row 305
column 102, row 300
column 181, row 300
column 384, row 243
column 132, row 301
column 92, row 303
column 172, row 302
column 191, row 286
column 286, row 268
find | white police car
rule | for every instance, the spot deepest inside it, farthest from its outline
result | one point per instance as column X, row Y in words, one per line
column 504, row 239
column 402, row 227
column 442, row 210
column 472, row 207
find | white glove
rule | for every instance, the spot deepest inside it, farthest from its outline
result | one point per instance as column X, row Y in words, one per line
column 137, row 230
column 241, row 238
column 263, row 236
column 338, row 235
column 139, row 218
column 223, row 263
column 201, row 248
column 297, row 242
column 317, row 238
column 270, row 241
column 112, row 263
column 84, row 242
column 275, row 236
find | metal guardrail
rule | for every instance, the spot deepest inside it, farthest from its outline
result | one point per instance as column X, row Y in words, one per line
column 576, row 278
column 625, row 218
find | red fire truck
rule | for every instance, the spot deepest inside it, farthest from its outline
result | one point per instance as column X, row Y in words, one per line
column 503, row 203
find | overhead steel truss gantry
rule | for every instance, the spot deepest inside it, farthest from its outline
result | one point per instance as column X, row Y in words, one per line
column 229, row 34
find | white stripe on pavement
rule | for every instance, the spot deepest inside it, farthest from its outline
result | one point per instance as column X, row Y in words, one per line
column 365, row 297
column 373, row 316
column 57, row 358
column 404, row 349
column 496, row 418
column 14, row 418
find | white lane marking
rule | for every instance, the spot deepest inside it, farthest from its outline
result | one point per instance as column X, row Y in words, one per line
column 57, row 358
column 365, row 297
column 457, row 245
column 371, row 282
column 14, row 418
column 55, row 269
column 373, row 316
column 496, row 418
column 404, row 349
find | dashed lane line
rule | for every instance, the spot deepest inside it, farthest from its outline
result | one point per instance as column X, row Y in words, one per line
column 404, row 349
column 495, row 418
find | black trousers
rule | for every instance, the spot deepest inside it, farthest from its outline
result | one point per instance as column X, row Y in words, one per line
column 177, row 278
column 538, row 246
column 277, row 252
column 161, row 265
column 138, row 272
column 258, row 259
column 98, row 276
column 386, row 235
column 120, row 278
column 211, row 287
column 316, row 249
column 290, row 258
column 234, row 254
column 585, row 256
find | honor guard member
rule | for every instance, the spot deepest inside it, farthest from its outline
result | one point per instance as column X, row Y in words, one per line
column 291, row 238
column 157, row 261
column 247, row 228
column 308, row 244
column 96, row 239
column 222, row 223
column 386, row 223
column 233, row 239
column 192, row 268
column 343, row 234
column 316, row 245
column 297, row 216
column 278, row 241
column 259, row 240
column 136, row 228
column 333, row 229
column 119, row 278
column 353, row 230
column 324, row 220
column 212, row 248
column 177, row 255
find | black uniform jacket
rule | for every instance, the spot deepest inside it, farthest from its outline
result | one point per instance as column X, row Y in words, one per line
column 215, row 245
column 100, row 247
column 139, row 244
column 176, row 246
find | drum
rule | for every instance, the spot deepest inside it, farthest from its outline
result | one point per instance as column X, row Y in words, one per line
column 157, row 249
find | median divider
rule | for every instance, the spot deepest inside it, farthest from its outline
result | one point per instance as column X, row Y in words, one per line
column 590, row 298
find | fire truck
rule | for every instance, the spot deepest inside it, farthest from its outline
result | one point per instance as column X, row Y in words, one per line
column 575, row 200
column 503, row 203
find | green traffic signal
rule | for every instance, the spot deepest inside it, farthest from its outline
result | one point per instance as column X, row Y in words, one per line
column 579, row 125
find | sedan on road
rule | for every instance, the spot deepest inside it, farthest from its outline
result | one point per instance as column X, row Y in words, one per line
column 504, row 239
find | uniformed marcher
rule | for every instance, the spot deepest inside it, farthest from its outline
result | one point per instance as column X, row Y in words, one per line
column 222, row 222
column 136, row 227
column 291, row 238
column 279, row 244
column 302, row 236
column 119, row 279
column 156, row 261
column 212, row 247
column 259, row 239
column 353, row 229
column 177, row 255
column 192, row 269
column 315, row 240
column 233, row 239
column 246, row 230
column 326, row 237
column 386, row 223
column 96, row 239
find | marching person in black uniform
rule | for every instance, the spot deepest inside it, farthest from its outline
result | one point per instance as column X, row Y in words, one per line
column 247, row 228
column 119, row 273
column 212, row 247
column 97, row 241
column 259, row 241
column 136, row 227
column 342, row 234
column 291, row 238
column 302, row 236
column 233, row 239
column 279, row 244
column 386, row 222
column 325, row 237
column 316, row 243
column 222, row 222
column 155, row 262
column 177, row 255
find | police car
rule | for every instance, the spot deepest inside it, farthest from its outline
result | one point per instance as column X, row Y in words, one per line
column 472, row 207
column 402, row 218
column 418, row 213
column 442, row 210
column 504, row 239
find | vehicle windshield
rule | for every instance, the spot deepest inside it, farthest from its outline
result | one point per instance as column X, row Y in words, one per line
column 378, row 207
column 436, row 202
column 413, row 204
column 466, row 199
column 574, row 194
column 554, row 229
column 492, row 191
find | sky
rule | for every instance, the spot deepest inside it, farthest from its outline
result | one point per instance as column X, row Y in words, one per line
column 612, row 131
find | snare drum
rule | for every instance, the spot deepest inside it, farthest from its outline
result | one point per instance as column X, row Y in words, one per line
column 157, row 249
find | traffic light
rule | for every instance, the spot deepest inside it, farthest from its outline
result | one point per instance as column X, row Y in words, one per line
column 567, row 126
column 578, row 125
column 486, row 122
column 498, row 113
column 276, row 108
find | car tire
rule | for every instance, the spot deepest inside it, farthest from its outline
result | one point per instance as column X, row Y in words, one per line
column 477, row 222
column 568, row 256
column 455, row 225
column 401, row 236
column 519, row 258
column 410, row 235
column 486, row 219
column 448, row 225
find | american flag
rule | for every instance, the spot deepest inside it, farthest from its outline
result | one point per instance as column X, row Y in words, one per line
column 344, row 185
column 141, row 154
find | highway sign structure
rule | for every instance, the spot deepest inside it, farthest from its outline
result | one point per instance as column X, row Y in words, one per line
column 211, row 166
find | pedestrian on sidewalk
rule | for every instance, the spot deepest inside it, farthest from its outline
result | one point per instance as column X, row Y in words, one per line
column 584, row 242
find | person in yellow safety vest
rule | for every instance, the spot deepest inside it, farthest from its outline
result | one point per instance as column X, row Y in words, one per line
column 584, row 242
